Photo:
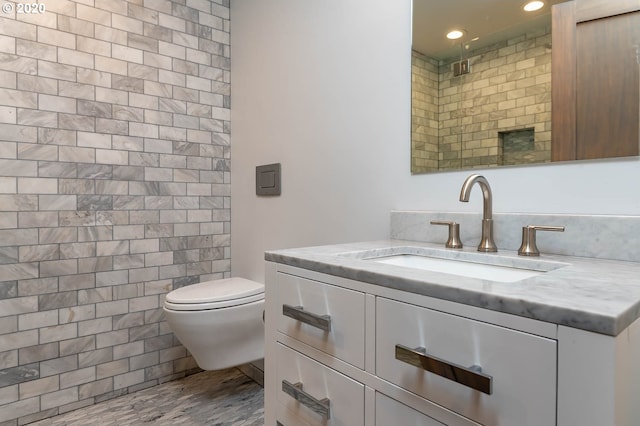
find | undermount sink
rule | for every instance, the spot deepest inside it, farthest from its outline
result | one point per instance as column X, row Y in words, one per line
column 503, row 274
column 466, row 264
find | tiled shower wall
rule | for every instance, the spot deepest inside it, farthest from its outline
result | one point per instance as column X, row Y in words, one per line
column 508, row 89
column 114, row 189
column 424, row 113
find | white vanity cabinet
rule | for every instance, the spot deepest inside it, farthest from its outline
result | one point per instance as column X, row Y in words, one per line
column 481, row 371
column 349, row 353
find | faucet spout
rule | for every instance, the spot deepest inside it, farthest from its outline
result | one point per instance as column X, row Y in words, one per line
column 486, row 242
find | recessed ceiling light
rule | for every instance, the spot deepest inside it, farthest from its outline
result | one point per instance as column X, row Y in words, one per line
column 454, row 35
column 533, row 5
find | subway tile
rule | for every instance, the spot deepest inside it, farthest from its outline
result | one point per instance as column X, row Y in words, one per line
column 56, row 137
column 14, row 237
column 113, row 35
column 129, row 261
column 76, row 122
column 8, row 115
column 32, row 83
column 17, row 340
column 77, row 345
column 111, row 156
column 77, row 377
column 56, row 71
column 76, row 282
column 112, row 338
column 69, row 24
column 38, row 152
column 17, row 133
column 144, row 217
column 57, row 235
column 58, row 365
column 143, row 274
column 33, row 287
column 57, row 300
column 111, row 278
column 20, row 408
column 38, row 219
column 76, row 90
column 99, row 387
column 126, row 291
column 76, row 314
column 94, row 77
column 94, row 15
column 8, row 185
column 37, row 185
column 53, row 268
column 59, row 202
column 38, row 387
column 95, row 264
column 96, row 295
column 8, row 289
column 56, row 103
column 20, row 374
column 39, row 252
column 112, row 217
column 37, row 353
column 95, row 202
column 95, row 233
column 17, row 63
column 56, row 399
column 77, row 250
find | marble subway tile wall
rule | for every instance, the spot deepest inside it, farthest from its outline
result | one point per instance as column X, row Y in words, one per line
column 463, row 124
column 424, row 113
column 114, row 190
column 508, row 88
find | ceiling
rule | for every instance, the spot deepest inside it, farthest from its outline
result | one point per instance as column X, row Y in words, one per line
column 490, row 20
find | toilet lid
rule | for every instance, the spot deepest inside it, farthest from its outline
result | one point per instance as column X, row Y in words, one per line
column 225, row 290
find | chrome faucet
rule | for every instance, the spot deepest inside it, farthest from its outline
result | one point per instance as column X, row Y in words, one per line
column 486, row 242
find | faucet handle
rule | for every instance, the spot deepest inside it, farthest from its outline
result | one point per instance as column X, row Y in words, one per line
column 454, row 233
column 528, row 246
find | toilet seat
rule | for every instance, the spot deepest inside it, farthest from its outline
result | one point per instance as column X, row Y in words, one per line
column 214, row 294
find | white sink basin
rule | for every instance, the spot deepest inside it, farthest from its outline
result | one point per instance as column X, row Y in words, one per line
column 484, row 266
column 461, row 268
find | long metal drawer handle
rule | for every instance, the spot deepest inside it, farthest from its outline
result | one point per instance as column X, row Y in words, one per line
column 295, row 391
column 323, row 322
column 472, row 377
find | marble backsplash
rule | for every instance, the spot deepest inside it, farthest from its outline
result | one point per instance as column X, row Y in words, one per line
column 603, row 237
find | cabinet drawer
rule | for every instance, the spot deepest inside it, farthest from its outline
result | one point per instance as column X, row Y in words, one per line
column 317, row 394
column 286, row 418
column 324, row 316
column 391, row 412
column 490, row 374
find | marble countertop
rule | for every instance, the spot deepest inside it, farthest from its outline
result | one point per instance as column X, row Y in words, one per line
column 597, row 295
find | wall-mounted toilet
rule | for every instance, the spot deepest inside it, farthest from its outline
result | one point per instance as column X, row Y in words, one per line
column 219, row 322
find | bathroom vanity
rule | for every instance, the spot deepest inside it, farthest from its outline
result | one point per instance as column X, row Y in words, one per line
column 372, row 334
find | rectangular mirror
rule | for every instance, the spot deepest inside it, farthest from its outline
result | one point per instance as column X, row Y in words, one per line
column 485, row 99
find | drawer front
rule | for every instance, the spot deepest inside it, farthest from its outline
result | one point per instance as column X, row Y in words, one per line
column 391, row 412
column 317, row 394
column 490, row 374
column 324, row 316
column 286, row 418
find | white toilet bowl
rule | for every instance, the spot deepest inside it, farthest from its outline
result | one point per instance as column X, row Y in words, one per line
column 219, row 321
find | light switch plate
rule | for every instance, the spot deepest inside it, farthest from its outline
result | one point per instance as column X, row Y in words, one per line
column 268, row 179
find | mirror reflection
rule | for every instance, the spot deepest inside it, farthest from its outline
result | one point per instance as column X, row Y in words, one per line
column 483, row 99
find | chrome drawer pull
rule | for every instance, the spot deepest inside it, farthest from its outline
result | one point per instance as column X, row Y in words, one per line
column 323, row 322
column 318, row 406
column 472, row 377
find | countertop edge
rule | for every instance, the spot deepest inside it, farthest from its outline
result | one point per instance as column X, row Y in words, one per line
column 560, row 315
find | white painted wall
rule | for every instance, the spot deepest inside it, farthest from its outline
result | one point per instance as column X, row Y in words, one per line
column 323, row 87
